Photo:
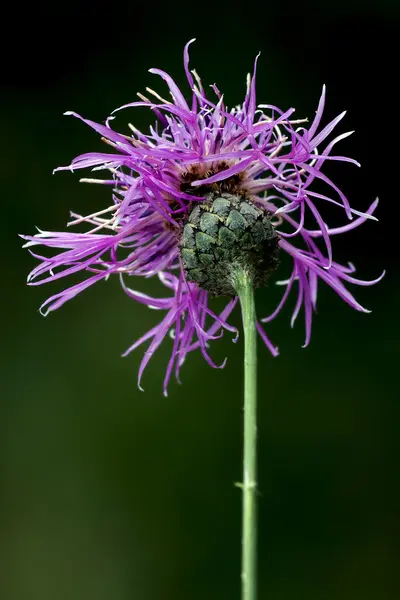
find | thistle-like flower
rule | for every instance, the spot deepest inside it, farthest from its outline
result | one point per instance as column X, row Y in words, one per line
column 207, row 188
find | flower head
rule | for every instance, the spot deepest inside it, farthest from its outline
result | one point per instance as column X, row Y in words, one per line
column 204, row 187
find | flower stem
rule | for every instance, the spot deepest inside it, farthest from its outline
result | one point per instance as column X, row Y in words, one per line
column 245, row 291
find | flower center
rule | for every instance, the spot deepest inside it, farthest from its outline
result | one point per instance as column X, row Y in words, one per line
column 224, row 233
column 231, row 185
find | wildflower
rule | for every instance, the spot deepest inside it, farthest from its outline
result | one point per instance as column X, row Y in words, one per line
column 205, row 187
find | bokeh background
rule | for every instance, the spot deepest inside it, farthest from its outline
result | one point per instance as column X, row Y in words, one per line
column 107, row 492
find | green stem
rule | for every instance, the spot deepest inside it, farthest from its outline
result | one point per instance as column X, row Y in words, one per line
column 245, row 291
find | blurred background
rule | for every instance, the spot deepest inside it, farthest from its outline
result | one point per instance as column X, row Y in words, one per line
column 106, row 492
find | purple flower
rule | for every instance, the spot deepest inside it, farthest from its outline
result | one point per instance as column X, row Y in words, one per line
column 198, row 152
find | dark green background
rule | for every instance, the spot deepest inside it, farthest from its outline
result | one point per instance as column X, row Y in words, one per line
column 110, row 493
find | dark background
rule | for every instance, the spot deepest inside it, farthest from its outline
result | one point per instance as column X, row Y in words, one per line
column 110, row 493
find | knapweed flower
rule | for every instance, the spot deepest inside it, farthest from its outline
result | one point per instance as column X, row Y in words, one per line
column 207, row 187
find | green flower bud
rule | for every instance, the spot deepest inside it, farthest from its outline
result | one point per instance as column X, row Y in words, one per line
column 224, row 234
